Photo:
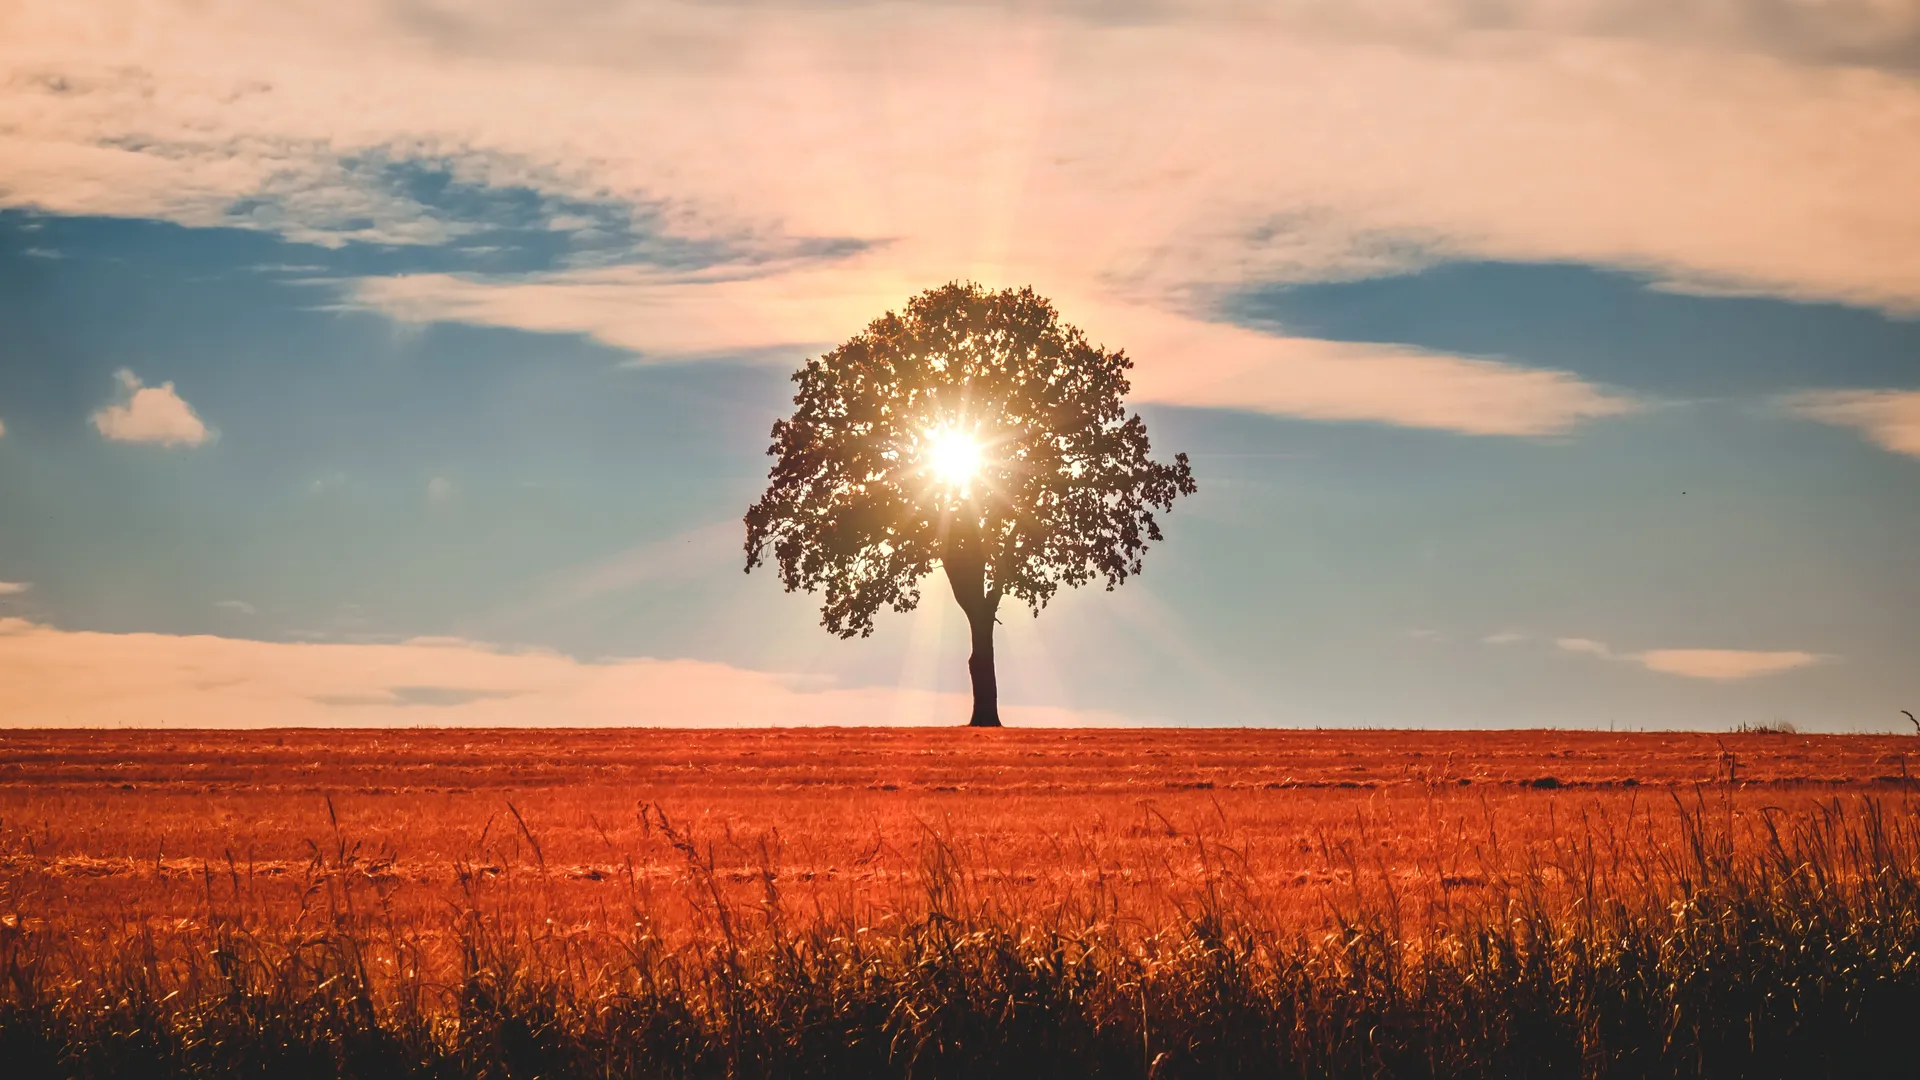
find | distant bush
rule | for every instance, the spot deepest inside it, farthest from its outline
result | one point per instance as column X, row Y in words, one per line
column 1791, row 950
column 1776, row 727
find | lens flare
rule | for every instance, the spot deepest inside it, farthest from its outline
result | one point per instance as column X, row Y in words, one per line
column 953, row 456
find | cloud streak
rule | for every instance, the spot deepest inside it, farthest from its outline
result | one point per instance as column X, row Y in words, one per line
column 1182, row 360
column 1717, row 665
column 87, row 679
column 1890, row 418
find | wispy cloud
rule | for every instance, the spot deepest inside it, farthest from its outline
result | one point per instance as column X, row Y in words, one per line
column 86, row 679
column 1725, row 664
column 14, row 588
column 1721, row 665
column 1588, row 646
column 1182, row 359
column 150, row 414
column 1132, row 172
column 1891, row 418
column 238, row 607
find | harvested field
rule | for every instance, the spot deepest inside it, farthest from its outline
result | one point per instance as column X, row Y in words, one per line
column 730, row 878
column 135, row 821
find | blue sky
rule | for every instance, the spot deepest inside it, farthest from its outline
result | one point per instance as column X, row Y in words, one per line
column 426, row 382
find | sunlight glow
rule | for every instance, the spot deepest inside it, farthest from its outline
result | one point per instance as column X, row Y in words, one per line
column 954, row 456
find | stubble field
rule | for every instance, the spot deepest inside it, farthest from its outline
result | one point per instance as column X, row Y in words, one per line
column 104, row 825
column 596, row 869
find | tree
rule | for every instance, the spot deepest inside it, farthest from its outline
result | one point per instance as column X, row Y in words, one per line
column 976, row 431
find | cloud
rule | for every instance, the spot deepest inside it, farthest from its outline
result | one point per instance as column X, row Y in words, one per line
column 1720, row 665
column 14, row 588
column 150, row 414
column 1508, row 637
column 1725, row 664
column 1586, row 645
column 1217, row 366
column 1181, row 359
column 439, row 490
column 442, row 697
column 1891, row 418
column 88, row 679
column 1138, row 168
column 3, row 429
column 238, row 607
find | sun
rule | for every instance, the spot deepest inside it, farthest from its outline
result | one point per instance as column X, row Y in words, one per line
column 953, row 456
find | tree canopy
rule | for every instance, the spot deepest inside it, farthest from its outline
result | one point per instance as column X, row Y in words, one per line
column 974, row 430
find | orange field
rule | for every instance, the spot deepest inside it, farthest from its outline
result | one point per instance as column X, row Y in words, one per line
column 103, row 829
column 880, row 902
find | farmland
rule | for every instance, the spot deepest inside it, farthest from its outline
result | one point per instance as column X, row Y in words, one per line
column 134, row 821
column 586, row 859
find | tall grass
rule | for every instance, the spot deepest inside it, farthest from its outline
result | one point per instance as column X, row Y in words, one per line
column 1757, row 945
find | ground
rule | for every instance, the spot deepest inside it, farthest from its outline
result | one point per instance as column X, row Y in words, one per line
column 104, row 828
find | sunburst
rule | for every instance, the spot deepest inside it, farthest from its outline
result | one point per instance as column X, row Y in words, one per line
column 953, row 457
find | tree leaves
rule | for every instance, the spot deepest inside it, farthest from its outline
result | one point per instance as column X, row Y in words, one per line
column 1066, row 490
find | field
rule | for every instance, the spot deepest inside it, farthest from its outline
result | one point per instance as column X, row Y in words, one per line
column 1070, row 884
column 135, row 822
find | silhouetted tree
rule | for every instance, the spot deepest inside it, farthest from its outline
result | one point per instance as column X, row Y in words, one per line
column 976, row 431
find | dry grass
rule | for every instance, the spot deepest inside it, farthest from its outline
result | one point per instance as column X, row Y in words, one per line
column 955, row 904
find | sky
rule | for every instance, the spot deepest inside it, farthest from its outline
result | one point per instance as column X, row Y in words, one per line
column 1542, row 363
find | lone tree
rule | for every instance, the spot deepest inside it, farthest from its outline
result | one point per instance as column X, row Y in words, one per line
column 977, row 432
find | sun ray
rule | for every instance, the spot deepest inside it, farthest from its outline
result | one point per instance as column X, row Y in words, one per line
column 953, row 456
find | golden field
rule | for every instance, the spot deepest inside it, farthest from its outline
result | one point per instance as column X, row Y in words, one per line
column 955, row 903
column 95, row 824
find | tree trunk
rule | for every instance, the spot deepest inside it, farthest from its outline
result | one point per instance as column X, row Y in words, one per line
column 986, row 689
column 967, row 574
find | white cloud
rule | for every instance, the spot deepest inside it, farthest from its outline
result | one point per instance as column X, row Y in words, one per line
column 14, row 588
column 1134, row 169
column 150, row 414
column 1720, row 665
column 1586, row 645
column 240, row 607
column 1506, row 637
column 86, row 679
column 1725, row 664
column 1891, row 418
column 1181, row 359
